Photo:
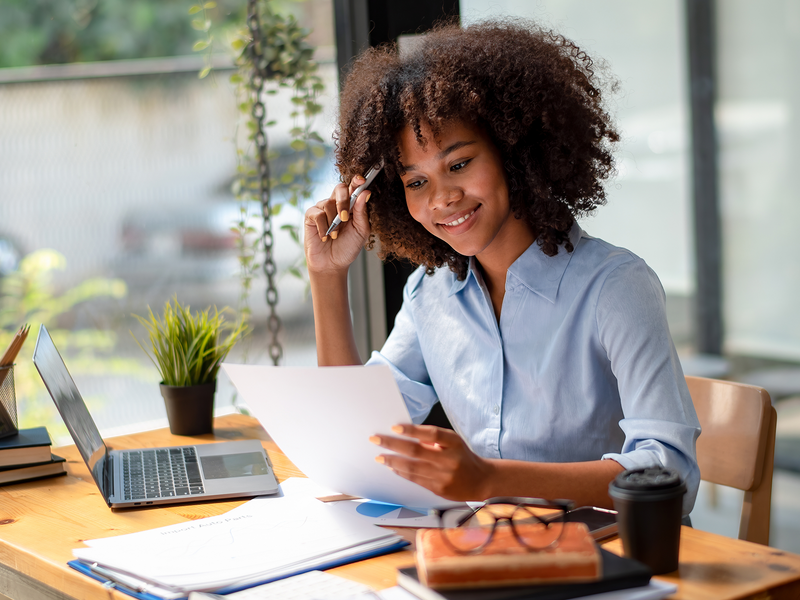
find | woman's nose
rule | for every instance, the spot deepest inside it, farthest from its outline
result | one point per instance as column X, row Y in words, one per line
column 444, row 195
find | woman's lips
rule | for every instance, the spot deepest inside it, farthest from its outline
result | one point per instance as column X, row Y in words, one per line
column 458, row 220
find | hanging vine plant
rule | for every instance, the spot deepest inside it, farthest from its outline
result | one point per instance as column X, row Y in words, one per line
column 272, row 53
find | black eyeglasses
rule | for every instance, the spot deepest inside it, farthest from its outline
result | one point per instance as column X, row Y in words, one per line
column 469, row 530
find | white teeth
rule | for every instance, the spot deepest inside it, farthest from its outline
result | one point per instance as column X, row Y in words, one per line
column 459, row 221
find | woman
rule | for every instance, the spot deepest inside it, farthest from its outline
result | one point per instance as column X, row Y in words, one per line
column 548, row 349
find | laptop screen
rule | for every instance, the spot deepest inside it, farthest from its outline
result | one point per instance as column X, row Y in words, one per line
column 73, row 409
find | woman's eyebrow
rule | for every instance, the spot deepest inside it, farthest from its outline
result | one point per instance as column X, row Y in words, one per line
column 451, row 148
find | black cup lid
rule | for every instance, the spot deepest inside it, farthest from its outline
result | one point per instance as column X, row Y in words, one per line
column 650, row 478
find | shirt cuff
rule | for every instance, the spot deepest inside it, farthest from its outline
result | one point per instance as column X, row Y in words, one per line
column 660, row 455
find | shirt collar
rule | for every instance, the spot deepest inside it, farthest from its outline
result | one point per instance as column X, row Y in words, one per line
column 535, row 270
column 472, row 273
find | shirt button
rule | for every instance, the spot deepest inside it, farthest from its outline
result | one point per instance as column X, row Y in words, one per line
column 496, row 409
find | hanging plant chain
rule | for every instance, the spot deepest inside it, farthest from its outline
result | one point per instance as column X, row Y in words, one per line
column 258, row 79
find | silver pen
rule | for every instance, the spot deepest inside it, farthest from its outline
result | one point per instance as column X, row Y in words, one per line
column 129, row 583
column 113, row 581
column 370, row 176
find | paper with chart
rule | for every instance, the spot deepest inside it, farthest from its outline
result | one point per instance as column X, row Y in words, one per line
column 322, row 418
column 368, row 511
column 268, row 540
column 390, row 515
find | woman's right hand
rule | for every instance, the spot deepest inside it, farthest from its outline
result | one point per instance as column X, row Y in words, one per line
column 336, row 252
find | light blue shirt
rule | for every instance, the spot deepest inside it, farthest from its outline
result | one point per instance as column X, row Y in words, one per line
column 581, row 365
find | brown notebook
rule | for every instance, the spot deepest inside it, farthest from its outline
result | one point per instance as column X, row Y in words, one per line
column 619, row 573
column 504, row 562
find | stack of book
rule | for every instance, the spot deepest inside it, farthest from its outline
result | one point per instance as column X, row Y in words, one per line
column 575, row 568
column 26, row 455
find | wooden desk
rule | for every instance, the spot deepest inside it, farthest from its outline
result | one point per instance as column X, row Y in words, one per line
column 42, row 521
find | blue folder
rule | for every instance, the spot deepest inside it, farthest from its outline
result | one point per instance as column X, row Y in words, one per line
column 84, row 568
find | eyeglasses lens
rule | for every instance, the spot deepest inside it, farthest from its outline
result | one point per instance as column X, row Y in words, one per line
column 536, row 530
column 467, row 530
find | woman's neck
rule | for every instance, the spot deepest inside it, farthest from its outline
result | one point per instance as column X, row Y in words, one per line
column 495, row 262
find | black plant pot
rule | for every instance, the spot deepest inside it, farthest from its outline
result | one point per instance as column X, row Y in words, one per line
column 190, row 409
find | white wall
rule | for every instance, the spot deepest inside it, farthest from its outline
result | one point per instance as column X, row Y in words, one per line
column 641, row 45
column 758, row 123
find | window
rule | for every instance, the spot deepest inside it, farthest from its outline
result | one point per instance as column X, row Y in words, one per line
column 122, row 171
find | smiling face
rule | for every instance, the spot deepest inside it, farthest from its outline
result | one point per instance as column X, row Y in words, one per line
column 456, row 188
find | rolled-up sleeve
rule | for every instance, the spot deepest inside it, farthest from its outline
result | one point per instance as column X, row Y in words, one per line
column 660, row 423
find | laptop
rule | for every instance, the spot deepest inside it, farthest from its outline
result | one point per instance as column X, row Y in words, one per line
column 152, row 476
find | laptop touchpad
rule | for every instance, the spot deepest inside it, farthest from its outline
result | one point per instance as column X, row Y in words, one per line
column 224, row 466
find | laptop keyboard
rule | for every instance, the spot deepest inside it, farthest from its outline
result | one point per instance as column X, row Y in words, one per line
column 161, row 473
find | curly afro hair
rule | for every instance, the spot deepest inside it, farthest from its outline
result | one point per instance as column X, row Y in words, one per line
column 535, row 93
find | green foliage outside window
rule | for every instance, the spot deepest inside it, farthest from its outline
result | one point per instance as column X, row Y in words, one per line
column 288, row 62
column 28, row 295
column 38, row 32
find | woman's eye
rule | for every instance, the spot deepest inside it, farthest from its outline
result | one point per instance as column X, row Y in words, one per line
column 459, row 166
column 412, row 185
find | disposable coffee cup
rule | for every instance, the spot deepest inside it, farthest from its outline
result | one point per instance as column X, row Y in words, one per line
column 649, row 510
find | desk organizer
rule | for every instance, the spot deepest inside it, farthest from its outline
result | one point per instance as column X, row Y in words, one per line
column 8, row 402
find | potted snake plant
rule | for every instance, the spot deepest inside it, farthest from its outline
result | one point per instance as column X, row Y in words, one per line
column 187, row 349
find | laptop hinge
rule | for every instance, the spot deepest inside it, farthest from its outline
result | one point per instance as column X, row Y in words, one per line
column 108, row 472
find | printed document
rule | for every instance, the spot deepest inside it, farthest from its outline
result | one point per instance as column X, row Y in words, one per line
column 322, row 418
column 368, row 511
column 265, row 541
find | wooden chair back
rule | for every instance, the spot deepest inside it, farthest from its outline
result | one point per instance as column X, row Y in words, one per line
column 737, row 446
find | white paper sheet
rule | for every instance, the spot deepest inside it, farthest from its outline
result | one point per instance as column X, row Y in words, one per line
column 655, row 590
column 368, row 511
column 322, row 418
column 292, row 487
column 265, row 540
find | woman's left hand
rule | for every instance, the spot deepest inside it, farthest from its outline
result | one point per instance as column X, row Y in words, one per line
column 437, row 459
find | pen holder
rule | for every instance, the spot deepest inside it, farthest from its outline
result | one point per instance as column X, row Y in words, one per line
column 8, row 402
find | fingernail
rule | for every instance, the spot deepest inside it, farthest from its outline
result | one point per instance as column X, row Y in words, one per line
column 334, row 235
column 324, row 238
column 375, row 439
column 398, row 428
column 380, row 459
column 344, row 215
column 369, row 194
